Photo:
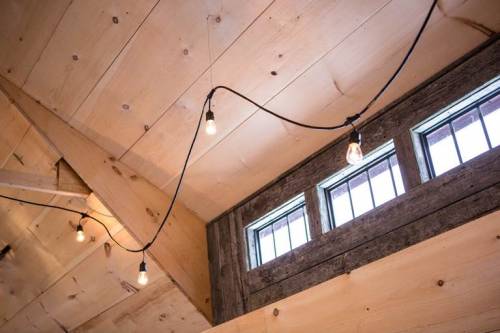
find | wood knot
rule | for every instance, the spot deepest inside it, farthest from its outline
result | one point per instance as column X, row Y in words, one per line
column 440, row 283
column 112, row 158
column 9, row 70
column 133, row 177
column 107, row 249
column 150, row 212
column 115, row 19
column 498, row 236
column 276, row 312
column 116, row 170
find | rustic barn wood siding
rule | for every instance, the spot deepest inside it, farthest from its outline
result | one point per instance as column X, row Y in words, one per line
column 427, row 209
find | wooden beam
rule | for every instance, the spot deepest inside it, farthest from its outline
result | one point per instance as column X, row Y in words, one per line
column 426, row 287
column 181, row 248
column 66, row 182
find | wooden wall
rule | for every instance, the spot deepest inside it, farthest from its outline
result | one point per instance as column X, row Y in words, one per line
column 461, row 195
column 449, row 283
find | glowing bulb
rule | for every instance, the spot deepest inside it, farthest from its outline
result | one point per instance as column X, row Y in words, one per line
column 142, row 279
column 210, row 127
column 354, row 154
column 80, row 235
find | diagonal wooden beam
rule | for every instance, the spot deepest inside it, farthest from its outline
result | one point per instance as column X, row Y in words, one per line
column 66, row 182
column 180, row 249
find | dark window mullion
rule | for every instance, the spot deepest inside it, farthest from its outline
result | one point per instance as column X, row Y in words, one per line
column 350, row 199
column 392, row 175
column 289, row 232
column 274, row 240
column 483, row 125
column 370, row 186
column 455, row 142
column 305, row 223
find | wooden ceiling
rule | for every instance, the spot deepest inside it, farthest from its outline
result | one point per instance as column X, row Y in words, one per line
column 131, row 75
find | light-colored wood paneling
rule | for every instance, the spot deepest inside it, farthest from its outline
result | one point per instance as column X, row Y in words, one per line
column 13, row 127
column 168, row 54
column 26, row 28
column 135, row 202
column 105, row 277
column 301, row 32
column 81, row 49
column 158, row 308
column 338, row 85
column 400, row 293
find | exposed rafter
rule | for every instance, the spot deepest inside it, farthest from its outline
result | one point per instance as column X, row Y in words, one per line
column 181, row 247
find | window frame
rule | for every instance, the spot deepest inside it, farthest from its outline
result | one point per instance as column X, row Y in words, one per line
column 385, row 155
column 447, row 121
column 270, row 219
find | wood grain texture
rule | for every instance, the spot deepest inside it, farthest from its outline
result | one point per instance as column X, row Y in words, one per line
column 463, row 193
column 139, row 205
column 401, row 292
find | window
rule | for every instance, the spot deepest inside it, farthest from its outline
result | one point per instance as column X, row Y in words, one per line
column 279, row 232
column 464, row 133
column 358, row 189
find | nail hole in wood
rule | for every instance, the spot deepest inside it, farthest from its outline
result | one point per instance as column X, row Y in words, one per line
column 125, row 107
column 498, row 236
column 146, row 128
column 9, row 70
column 115, row 20
column 274, row 73
column 218, row 19
column 440, row 283
column 75, row 57
column 20, row 39
column 276, row 312
column 185, row 51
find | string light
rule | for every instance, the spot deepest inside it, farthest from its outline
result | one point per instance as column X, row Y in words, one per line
column 354, row 153
column 80, row 235
column 211, row 127
column 142, row 278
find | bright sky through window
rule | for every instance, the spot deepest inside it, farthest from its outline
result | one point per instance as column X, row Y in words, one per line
column 461, row 137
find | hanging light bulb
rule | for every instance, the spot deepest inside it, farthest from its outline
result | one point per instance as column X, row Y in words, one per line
column 210, row 127
column 80, row 235
column 142, row 279
column 354, row 154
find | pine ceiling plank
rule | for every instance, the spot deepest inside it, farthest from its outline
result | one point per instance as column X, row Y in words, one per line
column 168, row 54
column 181, row 249
column 25, row 31
column 77, row 297
column 400, row 293
column 160, row 307
column 13, row 127
column 87, row 40
column 239, row 165
column 288, row 38
column 26, row 272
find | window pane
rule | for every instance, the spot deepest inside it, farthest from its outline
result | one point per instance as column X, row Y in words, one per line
column 491, row 115
column 381, row 180
column 442, row 150
column 341, row 205
column 361, row 196
column 297, row 225
column 396, row 172
column 266, row 244
column 470, row 135
column 281, row 237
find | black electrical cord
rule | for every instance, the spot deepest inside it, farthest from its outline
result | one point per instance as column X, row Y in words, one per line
column 348, row 122
column 351, row 119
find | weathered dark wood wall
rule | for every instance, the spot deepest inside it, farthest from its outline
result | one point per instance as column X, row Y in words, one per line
column 427, row 209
